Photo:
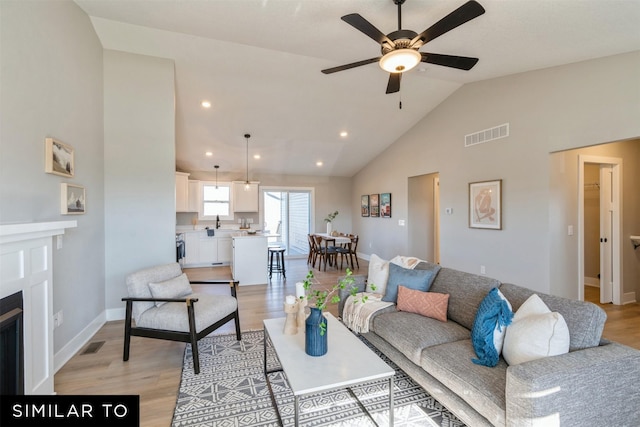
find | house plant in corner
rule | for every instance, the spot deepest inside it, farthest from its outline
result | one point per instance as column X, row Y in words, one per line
column 328, row 220
column 316, row 323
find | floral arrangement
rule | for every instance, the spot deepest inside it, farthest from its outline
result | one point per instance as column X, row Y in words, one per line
column 324, row 297
column 331, row 216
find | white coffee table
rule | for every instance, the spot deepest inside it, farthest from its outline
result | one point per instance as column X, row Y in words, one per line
column 348, row 362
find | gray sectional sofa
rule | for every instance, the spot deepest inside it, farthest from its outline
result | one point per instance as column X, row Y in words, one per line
column 597, row 383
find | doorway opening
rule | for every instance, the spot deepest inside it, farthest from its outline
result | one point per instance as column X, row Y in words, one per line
column 599, row 223
column 286, row 215
column 424, row 217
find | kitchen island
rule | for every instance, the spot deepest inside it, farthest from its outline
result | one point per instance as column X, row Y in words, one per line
column 249, row 258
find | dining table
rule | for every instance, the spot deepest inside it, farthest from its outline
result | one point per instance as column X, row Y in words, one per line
column 328, row 241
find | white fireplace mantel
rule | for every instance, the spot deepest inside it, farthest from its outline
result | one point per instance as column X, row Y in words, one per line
column 26, row 264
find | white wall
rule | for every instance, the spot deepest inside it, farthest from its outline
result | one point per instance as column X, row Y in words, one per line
column 51, row 86
column 548, row 110
column 139, row 123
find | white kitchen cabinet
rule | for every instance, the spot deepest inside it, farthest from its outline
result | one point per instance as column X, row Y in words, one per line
column 192, row 248
column 249, row 264
column 194, row 197
column 208, row 249
column 225, row 249
column 182, row 192
column 203, row 250
column 245, row 200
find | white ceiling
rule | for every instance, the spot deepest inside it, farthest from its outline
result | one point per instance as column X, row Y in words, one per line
column 259, row 62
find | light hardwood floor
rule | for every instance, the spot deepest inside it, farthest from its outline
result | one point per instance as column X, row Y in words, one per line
column 154, row 368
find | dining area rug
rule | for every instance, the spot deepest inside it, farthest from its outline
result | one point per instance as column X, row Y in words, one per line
column 231, row 390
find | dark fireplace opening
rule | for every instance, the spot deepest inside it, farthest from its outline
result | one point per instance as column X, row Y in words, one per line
column 11, row 345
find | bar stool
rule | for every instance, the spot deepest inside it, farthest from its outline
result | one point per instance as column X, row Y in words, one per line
column 279, row 261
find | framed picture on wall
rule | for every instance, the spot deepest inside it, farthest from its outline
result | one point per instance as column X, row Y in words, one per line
column 485, row 204
column 58, row 158
column 385, row 205
column 364, row 205
column 72, row 199
column 374, row 205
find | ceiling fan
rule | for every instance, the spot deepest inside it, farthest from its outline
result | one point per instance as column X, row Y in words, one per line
column 400, row 48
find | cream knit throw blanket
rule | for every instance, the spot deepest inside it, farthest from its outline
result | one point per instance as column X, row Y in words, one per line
column 356, row 314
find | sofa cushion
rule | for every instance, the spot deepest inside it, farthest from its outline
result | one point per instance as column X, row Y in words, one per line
column 465, row 290
column 492, row 318
column 536, row 332
column 584, row 319
column 172, row 316
column 481, row 387
column 429, row 304
column 419, row 280
column 172, row 288
column 378, row 274
column 410, row 333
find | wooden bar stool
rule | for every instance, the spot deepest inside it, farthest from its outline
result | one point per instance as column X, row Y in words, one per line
column 278, row 267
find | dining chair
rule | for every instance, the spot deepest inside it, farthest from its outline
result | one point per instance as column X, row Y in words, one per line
column 313, row 250
column 354, row 249
column 326, row 251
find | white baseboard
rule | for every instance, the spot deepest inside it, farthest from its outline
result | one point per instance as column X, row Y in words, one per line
column 628, row 298
column 74, row 346
column 592, row 281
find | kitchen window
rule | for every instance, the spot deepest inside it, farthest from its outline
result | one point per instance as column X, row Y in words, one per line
column 216, row 201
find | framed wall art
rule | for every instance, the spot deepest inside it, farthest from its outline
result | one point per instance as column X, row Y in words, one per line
column 58, row 158
column 364, row 205
column 485, row 204
column 374, row 205
column 72, row 199
column 385, row 205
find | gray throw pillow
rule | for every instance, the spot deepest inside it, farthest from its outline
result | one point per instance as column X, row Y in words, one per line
column 173, row 288
column 419, row 280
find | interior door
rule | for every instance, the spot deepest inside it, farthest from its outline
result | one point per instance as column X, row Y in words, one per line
column 606, row 234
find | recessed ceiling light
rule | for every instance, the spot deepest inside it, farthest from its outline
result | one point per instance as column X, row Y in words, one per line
column 208, row 154
column 206, row 104
column 256, row 156
column 319, row 164
column 344, row 134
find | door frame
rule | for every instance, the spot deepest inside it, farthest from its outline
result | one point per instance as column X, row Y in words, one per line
column 616, row 178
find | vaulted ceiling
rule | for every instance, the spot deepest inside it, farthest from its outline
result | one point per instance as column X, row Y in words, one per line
column 258, row 62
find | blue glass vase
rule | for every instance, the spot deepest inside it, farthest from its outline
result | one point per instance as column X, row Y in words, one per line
column 315, row 337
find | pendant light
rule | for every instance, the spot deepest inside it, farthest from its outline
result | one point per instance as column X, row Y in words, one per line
column 247, row 185
column 216, row 167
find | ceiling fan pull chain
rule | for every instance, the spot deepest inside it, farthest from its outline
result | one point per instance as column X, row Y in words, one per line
column 400, row 103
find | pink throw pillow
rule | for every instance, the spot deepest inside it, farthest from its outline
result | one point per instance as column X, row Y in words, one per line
column 429, row 304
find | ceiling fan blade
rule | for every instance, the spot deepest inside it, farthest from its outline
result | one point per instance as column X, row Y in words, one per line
column 464, row 13
column 459, row 62
column 352, row 65
column 394, row 83
column 366, row 27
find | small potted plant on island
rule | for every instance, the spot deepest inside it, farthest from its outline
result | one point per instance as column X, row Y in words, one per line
column 328, row 220
column 316, row 323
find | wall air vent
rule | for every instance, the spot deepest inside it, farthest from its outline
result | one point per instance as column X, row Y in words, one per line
column 487, row 135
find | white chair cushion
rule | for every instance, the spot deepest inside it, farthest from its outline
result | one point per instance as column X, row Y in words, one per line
column 172, row 316
column 173, row 288
column 138, row 284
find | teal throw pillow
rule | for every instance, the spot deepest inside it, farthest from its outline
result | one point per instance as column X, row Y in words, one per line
column 489, row 327
column 419, row 280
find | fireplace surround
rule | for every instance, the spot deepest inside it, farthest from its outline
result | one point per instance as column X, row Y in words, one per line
column 26, row 267
column 11, row 345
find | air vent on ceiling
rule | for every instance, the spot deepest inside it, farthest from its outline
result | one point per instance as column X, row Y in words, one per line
column 487, row 135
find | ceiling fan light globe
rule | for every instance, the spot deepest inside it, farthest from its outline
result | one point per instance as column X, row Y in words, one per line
column 400, row 60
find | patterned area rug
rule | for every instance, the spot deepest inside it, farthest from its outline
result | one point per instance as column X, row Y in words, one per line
column 231, row 390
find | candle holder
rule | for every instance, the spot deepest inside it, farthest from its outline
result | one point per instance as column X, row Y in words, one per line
column 301, row 316
column 290, row 324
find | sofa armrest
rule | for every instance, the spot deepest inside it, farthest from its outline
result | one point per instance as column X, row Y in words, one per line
column 359, row 281
column 594, row 386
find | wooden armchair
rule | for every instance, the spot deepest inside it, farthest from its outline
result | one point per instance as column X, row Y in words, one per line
column 163, row 306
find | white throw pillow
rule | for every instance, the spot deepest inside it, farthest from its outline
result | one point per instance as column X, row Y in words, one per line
column 535, row 332
column 173, row 288
column 378, row 274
